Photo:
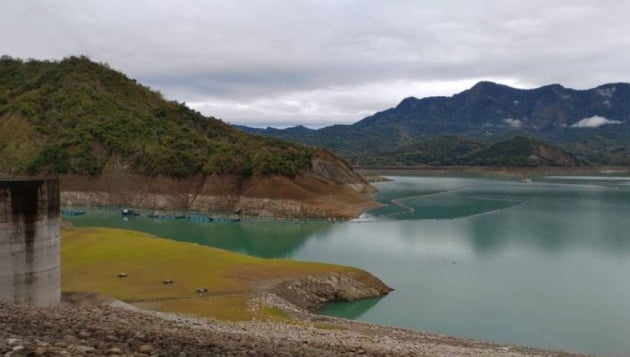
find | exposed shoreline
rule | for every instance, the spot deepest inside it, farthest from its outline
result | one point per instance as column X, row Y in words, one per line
column 330, row 188
column 306, row 196
column 99, row 330
column 513, row 172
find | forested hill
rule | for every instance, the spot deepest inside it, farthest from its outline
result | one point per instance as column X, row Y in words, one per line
column 518, row 151
column 76, row 116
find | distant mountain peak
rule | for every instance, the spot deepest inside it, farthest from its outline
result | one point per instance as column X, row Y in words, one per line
column 553, row 85
column 488, row 87
column 614, row 85
column 554, row 88
column 486, row 84
column 298, row 129
column 408, row 103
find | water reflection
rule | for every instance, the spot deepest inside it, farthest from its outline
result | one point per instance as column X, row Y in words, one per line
column 549, row 271
column 551, row 215
column 351, row 311
column 261, row 239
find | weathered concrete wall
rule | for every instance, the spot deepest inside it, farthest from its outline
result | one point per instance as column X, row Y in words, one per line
column 29, row 241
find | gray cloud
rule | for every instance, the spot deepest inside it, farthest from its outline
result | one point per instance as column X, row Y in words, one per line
column 282, row 62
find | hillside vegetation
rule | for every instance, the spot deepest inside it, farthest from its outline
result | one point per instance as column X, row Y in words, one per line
column 76, row 116
column 454, row 150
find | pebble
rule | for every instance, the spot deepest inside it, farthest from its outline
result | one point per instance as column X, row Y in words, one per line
column 70, row 338
column 145, row 349
column 113, row 351
column 83, row 349
column 13, row 341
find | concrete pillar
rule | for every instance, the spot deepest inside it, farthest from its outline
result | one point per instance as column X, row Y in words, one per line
column 29, row 241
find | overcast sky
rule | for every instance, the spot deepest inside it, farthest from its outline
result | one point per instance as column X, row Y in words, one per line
column 282, row 63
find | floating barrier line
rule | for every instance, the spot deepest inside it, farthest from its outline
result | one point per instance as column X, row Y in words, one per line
column 408, row 209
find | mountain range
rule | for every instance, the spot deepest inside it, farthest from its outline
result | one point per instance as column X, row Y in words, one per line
column 592, row 124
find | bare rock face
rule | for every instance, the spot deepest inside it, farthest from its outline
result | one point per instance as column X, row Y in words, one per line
column 552, row 156
column 312, row 292
column 332, row 168
column 330, row 189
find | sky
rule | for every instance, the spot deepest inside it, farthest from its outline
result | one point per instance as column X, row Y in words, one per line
column 282, row 63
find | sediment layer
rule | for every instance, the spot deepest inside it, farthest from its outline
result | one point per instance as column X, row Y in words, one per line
column 329, row 189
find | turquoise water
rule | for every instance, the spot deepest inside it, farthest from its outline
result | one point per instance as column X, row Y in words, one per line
column 543, row 264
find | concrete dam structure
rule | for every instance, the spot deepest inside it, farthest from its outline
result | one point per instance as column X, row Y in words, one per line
column 29, row 241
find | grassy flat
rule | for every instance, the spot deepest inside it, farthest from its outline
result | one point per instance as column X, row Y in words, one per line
column 92, row 258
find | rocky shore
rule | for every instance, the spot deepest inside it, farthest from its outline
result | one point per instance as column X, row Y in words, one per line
column 110, row 331
column 310, row 293
column 100, row 330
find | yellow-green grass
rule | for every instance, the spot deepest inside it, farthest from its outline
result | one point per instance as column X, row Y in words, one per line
column 224, row 307
column 93, row 257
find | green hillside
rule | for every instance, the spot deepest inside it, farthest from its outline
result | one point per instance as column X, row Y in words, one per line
column 445, row 150
column 80, row 117
column 523, row 152
column 518, row 151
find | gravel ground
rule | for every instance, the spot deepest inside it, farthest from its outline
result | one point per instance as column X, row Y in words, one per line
column 71, row 330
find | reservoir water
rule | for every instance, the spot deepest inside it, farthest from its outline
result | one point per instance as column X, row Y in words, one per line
column 544, row 264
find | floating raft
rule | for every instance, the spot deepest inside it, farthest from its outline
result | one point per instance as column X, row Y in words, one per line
column 233, row 220
column 129, row 213
column 199, row 218
column 71, row 212
column 165, row 216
